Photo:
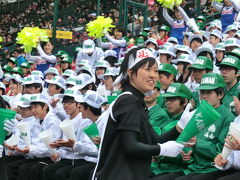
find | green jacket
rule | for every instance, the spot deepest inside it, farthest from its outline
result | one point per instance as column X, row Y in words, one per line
column 210, row 143
column 167, row 164
column 228, row 97
column 157, row 117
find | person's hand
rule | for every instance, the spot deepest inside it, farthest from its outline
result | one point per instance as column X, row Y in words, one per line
column 96, row 140
column 23, row 151
column 12, row 148
column 186, row 156
column 55, row 157
column 170, row 149
column 232, row 142
column 66, row 143
column 54, row 102
column 237, row 105
column 186, row 116
column 9, row 126
column 54, row 144
column 219, row 161
column 191, row 143
column 1, row 150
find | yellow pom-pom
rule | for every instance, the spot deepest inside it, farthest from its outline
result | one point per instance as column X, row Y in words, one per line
column 1, row 39
column 219, row 1
column 97, row 27
column 30, row 37
column 170, row 3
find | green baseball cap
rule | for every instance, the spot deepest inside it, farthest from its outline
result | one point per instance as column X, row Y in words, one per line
column 163, row 67
column 164, row 28
column 17, row 70
column 12, row 59
column 7, row 68
column 202, row 62
column 211, row 81
column 144, row 33
column 230, row 61
column 178, row 90
column 60, row 52
column 66, row 59
column 25, row 65
column 139, row 42
column 201, row 18
column 126, row 38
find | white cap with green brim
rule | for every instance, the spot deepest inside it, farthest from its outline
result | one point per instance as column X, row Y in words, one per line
column 110, row 53
column 102, row 63
column 69, row 73
column 205, row 47
column 88, row 46
column 58, row 81
column 71, row 81
column 16, row 77
column 111, row 71
column 71, row 92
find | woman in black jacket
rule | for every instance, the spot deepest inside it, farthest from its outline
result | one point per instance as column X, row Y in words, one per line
column 129, row 141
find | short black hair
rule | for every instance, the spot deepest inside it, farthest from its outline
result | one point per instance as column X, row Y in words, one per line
column 167, row 74
column 68, row 99
column 3, row 103
column 95, row 111
column 42, row 104
column 35, row 85
column 181, row 99
column 87, row 87
column 58, row 87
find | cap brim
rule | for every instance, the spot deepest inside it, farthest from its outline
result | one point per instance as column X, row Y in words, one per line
column 88, row 50
column 21, row 104
column 197, row 66
column 206, row 87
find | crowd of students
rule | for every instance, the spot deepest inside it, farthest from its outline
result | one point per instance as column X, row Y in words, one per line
column 140, row 94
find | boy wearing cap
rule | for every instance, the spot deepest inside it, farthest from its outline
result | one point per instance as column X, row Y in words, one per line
column 177, row 98
column 26, row 69
column 229, row 68
column 209, row 142
column 32, row 84
column 44, row 120
column 89, row 52
column 219, row 51
column 163, row 33
column 167, row 75
column 12, row 62
column 215, row 37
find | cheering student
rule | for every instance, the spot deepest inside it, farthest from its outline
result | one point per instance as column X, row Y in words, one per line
column 129, row 141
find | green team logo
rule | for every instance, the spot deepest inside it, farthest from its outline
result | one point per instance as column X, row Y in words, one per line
column 33, row 98
column 199, row 61
column 54, row 79
column 100, row 63
column 68, row 91
column 229, row 42
column 79, row 82
column 88, row 46
column 208, row 80
column 199, row 121
column 23, row 134
column 171, row 89
column 23, row 99
column 229, row 60
column 210, row 133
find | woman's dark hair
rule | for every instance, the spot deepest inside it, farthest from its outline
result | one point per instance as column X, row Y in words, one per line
column 3, row 104
column 44, row 43
column 3, row 91
column 124, row 66
column 120, row 29
column 41, row 104
column 92, row 85
column 111, row 60
column 185, row 66
column 15, row 82
column 98, row 80
column 69, row 67
column 58, row 87
column 181, row 99
column 95, row 111
column 86, row 72
column 219, row 92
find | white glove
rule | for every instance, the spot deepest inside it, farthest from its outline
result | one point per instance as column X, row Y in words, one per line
column 192, row 24
column 186, row 116
column 170, row 149
column 1, row 150
column 10, row 125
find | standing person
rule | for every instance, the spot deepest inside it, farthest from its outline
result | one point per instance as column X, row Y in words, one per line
column 45, row 59
column 229, row 11
column 129, row 141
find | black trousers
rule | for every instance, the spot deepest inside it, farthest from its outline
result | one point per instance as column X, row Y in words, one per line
column 167, row 176
column 83, row 172
column 61, row 170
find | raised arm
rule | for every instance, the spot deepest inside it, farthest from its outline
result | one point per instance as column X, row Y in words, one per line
column 217, row 6
column 49, row 58
column 120, row 43
column 235, row 5
column 183, row 13
column 29, row 57
column 168, row 18
column 105, row 45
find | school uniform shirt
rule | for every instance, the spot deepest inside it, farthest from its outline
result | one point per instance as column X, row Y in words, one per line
column 92, row 60
column 84, row 146
column 130, row 114
column 228, row 97
column 20, row 60
column 79, row 125
column 50, row 122
column 210, row 143
column 43, row 61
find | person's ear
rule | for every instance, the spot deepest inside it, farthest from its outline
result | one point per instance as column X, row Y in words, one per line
column 45, row 107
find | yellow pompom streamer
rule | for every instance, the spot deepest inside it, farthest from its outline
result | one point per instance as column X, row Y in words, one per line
column 97, row 27
column 219, row 1
column 1, row 40
column 170, row 3
column 30, row 37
